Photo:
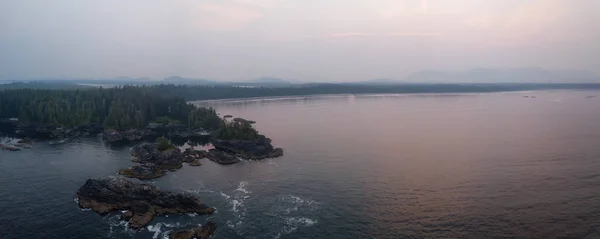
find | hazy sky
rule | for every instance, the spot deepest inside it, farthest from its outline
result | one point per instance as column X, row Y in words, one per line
column 313, row 40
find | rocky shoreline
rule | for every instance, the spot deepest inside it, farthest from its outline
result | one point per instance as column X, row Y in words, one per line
column 203, row 232
column 111, row 136
column 257, row 149
column 141, row 202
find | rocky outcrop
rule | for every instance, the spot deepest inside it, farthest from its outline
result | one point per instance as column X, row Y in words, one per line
column 25, row 140
column 203, row 232
column 9, row 147
column 154, row 162
column 144, row 172
column 149, row 154
column 195, row 163
column 112, row 136
column 38, row 131
column 259, row 148
column 192, row 155
column 142, row 201
column 221, row 157
column 137, row 134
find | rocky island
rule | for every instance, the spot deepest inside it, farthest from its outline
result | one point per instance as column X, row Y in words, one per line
column 131, row 114
column 155, row 159
column 141, row 202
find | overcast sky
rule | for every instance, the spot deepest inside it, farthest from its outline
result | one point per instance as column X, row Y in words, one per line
column 311, row 40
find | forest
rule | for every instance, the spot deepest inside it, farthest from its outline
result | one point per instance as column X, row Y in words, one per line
column 127, row 107
column 118, row 108
column 229, row 92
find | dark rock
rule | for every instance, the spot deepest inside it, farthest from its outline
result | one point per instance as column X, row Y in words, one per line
column 90, row 129
column 155, row 126
column 143, row 200
column 144, row 172
column 9, row 147
column 240, row 120
column 127, row 215
column 228, row 116
column 183, row 134
column 112, row 136
column 25, row 140
column 22, row 145
column 191, row 155
column 133, row 134
column 195, row 163
column 259, row 148
column 148, row 153
column 221, row 157
column 203, row 232
column 176, row 126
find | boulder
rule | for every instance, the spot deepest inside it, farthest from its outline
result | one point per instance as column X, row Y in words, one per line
column 144, row 201
column 203, row 232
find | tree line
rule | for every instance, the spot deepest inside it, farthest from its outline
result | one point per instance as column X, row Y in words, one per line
column 198, row 92
column 119, row 108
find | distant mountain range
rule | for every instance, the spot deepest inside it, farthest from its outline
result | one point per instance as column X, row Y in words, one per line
column 475, row 75
column 503, row 75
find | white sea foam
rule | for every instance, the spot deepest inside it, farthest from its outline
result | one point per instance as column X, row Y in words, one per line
column 242, row 187
column 300, row 221
column 155, row 229
column 116, row 222
column 236, row 199
column 293, row 223
column 158, row 227
column 292, row 203
column 225, row 196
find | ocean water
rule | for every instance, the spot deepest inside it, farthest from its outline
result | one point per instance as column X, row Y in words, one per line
column 493, row 165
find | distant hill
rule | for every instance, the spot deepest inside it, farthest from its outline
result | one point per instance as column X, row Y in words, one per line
column 379, row 81
column 178, row 80
column 270, row 80
column 503, row 75
column 41, row 85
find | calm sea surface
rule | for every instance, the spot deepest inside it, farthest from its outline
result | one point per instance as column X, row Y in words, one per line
column 381, row 166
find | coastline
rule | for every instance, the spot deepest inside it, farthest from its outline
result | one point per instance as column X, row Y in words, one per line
column 330, row 96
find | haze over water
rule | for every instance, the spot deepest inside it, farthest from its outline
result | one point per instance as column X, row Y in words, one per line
column 379, row 166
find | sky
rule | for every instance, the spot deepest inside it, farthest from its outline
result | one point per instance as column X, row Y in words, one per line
column 309, row 40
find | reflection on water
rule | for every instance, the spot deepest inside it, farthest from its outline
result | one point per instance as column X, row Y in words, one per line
column 355, row 166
